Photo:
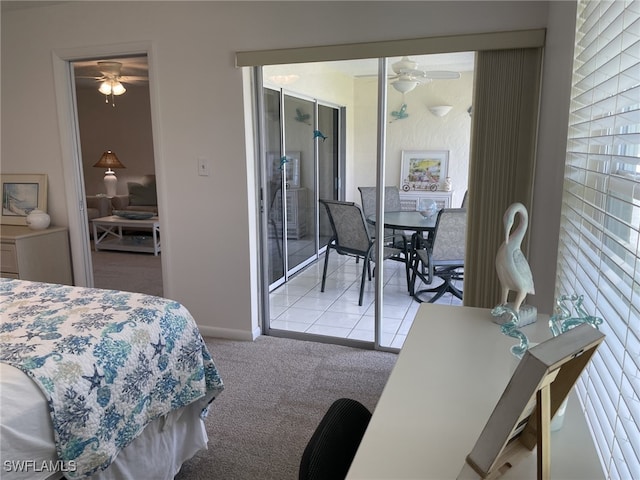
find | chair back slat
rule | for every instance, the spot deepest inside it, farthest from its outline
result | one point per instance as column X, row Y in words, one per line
column 450, row 235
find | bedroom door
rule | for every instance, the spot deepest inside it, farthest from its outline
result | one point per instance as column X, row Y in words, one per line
column 120, row 122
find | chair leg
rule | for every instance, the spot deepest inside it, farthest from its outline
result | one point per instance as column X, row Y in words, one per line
column 366, row 267
column 324, row 272
column 447, row 286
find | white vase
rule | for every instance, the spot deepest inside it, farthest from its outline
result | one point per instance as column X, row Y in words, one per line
column 38, row 220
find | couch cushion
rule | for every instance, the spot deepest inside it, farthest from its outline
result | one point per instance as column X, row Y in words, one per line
column 142, row 194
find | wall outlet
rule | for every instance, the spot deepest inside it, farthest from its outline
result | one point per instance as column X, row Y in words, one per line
column 203, row 167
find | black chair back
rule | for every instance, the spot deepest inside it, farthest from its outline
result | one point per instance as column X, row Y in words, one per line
column 334, row 443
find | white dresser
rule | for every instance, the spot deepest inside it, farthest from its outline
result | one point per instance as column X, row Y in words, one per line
column 412, row 201
column 37, row 255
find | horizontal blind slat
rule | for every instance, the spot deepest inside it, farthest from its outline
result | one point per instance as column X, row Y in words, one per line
column 599, row 248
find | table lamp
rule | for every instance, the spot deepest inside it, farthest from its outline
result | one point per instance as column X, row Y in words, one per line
column 109, row 160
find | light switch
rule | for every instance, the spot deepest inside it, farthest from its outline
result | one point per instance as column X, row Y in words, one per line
column 203, row 167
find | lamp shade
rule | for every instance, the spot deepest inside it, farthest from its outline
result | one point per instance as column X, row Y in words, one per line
column 111, row 87
column 109, row 160
column 118, row 89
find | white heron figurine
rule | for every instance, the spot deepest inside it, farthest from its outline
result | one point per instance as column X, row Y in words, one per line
column 513, row 270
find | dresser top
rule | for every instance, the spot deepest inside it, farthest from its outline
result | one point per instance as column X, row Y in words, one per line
column 12, row 232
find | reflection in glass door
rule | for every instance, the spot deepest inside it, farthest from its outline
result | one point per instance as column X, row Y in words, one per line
column 327, row 135
column 272, row 200
column 302, row 153
column 300, row 205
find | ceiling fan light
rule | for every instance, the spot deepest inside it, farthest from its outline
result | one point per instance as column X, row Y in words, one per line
column 118, row 89
column 105, row 88
column 404, row 86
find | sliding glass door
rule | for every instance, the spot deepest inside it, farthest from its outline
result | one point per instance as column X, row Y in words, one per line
column 275, row 169
column 301, row 139
column 300, row 165
column 329, row 176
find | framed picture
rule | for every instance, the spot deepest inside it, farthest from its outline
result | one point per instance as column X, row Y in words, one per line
column 423, row 170
column 522, row 416
column 22, row 193
column 290, row 163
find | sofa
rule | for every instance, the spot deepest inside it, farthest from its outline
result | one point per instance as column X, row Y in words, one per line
column 141, row 197
column 98, row 206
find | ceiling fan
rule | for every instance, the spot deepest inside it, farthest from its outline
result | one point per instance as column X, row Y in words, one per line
column 109, row 74
column 408, row 75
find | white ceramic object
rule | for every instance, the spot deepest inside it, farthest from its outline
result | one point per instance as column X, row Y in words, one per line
column 38, row 220
column 512, row 266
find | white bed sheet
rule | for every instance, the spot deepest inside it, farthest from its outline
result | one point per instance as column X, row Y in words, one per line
column 25, row 426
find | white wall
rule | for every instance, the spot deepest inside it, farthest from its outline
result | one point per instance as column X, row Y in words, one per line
column 208, row 257
column 421, row 130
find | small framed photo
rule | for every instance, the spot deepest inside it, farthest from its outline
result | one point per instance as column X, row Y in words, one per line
column 423, row 170
column 22, row 193
column 522, row 416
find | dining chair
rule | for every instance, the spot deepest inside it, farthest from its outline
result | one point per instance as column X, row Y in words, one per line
column 335, row 441
column 351, row 237
column 391, row 204
column 443, row 257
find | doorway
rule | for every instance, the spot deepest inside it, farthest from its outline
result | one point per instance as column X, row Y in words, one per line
column 113, row 115
column 297, row 304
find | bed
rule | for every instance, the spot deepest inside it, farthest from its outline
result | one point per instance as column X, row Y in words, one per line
column 99, row 383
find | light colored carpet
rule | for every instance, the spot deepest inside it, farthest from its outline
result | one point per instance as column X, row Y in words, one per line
column 276, row 392
column 128, row 271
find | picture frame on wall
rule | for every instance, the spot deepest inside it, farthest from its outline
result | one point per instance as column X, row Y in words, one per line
column 22, row 193
column 423, row 170
column 290, row 163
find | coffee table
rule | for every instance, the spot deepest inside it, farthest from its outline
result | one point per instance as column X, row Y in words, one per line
column 107, row 234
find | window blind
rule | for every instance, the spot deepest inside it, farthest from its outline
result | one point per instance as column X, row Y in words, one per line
column 599, row 253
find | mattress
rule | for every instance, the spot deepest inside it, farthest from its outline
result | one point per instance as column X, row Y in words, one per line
column 25, row 426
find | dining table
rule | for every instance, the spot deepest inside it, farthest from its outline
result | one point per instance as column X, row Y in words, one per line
column 422, row 228
column 408, row 220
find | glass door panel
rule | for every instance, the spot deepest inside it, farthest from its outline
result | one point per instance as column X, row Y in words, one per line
column 395, row 295
column 274, row 187
column 327, row 135
column 300, row 182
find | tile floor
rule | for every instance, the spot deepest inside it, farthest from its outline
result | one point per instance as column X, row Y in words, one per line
column 300, row 306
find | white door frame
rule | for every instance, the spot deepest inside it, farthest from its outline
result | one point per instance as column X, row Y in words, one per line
column 64, row 83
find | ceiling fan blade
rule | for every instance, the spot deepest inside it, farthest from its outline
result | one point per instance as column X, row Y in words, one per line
column 133, row 78
column 441, row 75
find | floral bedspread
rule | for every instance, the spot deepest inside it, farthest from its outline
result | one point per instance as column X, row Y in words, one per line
column 108, row 362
